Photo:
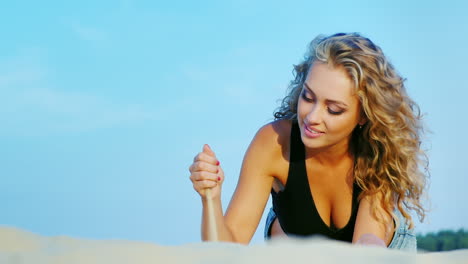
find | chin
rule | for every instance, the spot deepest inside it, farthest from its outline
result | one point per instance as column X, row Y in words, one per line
column 314, row 143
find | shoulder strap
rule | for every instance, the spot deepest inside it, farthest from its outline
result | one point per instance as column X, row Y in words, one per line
column 297, row 152
column 297, row 176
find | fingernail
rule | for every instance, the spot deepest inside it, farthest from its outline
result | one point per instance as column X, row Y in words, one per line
column 217, row 163
column 217, row 170
column 219, row 178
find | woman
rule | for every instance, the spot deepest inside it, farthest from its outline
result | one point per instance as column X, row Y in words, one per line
column 342, row 158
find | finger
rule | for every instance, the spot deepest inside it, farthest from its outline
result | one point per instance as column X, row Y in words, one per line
column 220, row 174
column 203, row 156
column 203, row 166
column 201, row 186
column 207, row 149
column 204, row 176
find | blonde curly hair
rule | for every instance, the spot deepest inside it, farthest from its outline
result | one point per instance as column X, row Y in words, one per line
column 389, row 160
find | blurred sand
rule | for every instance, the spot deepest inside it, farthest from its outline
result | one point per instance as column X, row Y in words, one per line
column 19, row 246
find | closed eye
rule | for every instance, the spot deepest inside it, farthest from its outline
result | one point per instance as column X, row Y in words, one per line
column 335, row 112
column 308, row 98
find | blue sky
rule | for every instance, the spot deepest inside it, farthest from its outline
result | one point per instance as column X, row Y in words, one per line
column 103, row 104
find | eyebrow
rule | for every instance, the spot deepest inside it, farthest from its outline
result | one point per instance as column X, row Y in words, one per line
column 326, row 100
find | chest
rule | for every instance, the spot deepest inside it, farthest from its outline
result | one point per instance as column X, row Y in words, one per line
column 329, row 189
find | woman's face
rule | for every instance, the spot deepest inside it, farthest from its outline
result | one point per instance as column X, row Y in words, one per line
column 328, row 109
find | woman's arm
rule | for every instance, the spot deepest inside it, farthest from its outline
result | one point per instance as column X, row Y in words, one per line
column 252, row 191
column 368, row 230
column 255, row 181
column 206, row 173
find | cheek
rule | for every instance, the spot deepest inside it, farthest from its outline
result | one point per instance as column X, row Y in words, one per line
column 301, row 110
column 342, row 125
column 299, row 106
column 346, row 123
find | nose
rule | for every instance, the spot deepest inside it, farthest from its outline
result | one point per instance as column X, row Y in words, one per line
column 315, row 115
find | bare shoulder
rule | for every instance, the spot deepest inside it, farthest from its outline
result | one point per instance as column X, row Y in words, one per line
column 274, row 133
column 271, row 143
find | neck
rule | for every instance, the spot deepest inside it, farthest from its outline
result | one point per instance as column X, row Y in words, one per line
column 330, row 156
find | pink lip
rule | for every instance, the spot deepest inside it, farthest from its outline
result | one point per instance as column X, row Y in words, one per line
column 311, row 134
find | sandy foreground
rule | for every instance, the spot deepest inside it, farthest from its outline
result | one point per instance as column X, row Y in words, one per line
column 18, row 246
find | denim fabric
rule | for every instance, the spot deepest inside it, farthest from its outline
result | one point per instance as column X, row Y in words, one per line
column 403, row 239
column 268, row 223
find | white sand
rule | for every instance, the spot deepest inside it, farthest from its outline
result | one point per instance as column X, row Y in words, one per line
column 18, row 246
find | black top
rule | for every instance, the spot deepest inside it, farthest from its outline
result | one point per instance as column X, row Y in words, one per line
column 294, row 206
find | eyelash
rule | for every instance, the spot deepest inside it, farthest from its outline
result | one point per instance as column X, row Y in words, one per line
column 303, row 95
